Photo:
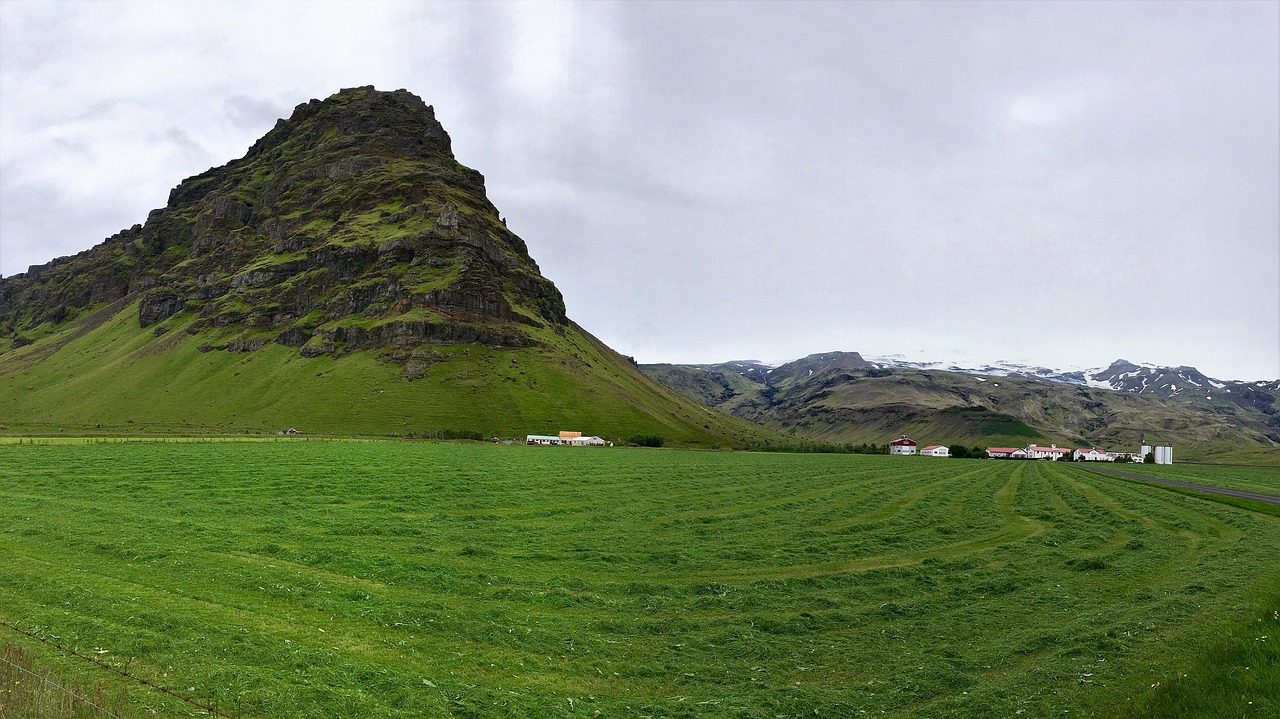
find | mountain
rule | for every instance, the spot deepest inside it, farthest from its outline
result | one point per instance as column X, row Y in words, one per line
column 1183, row 382
column 842, row 397
column 1123, row 376
column 987, row 369
column 346, row 276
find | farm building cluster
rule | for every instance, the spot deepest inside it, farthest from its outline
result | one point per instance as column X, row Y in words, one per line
column 565, row 439
column 904, row 445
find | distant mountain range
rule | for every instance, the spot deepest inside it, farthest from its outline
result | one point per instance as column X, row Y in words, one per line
column 844, row 397
column 1121, row 375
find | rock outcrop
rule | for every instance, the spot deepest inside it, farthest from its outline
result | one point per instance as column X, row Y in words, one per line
column 348, row 225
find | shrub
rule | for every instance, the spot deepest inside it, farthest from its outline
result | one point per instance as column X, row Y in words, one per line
column 646, row 440
column 457, row 434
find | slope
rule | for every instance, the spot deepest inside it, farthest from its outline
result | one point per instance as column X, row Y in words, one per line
column 347, row 276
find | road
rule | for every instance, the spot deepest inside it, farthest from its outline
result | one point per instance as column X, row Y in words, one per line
column 1256, row 496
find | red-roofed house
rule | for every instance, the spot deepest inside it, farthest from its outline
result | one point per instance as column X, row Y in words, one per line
column 902, row 445
column 1093, row 454
column 1000, row 452
column 1052, row 452
column 935, row 450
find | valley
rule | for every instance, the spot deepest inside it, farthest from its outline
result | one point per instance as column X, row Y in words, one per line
column 223, row 470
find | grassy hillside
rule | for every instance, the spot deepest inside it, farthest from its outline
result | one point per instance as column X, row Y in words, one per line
column 397, row 580
column 104, row 374
column 346, row 276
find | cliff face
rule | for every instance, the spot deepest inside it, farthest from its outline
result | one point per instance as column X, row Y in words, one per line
column 349, row 225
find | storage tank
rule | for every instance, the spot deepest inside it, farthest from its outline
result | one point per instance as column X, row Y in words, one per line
column 1164, row 455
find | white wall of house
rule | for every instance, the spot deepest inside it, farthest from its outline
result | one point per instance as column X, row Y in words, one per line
column 935, row 452
column 1052, row 453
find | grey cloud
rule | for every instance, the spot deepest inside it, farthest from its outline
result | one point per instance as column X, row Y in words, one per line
column 252, row 113
column 708, row 180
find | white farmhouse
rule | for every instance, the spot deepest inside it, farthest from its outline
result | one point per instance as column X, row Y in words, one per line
column 902, row 445
column 564, row 439
column 935, row 450
column 1093, row 454
column 1052, row 452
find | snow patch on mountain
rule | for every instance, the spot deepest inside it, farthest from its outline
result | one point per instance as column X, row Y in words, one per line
column 999, row 368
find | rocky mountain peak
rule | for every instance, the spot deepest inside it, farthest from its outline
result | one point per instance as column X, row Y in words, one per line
column 350, row 225
column 395, row 122
column 1126, row 376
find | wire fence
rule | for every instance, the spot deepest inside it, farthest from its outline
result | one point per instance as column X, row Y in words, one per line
column 68, row 692
column 121, row 672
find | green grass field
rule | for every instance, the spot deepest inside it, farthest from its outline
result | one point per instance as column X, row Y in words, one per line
column 1249, row 479
column 397, row 579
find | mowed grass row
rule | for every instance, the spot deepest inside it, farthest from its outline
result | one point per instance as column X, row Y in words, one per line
column 385, row 579
column 1249, row 479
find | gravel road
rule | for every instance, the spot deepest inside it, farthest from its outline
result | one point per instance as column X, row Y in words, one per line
column 1256, row 496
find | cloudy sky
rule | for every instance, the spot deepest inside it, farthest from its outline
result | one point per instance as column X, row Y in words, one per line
column 1063, row 183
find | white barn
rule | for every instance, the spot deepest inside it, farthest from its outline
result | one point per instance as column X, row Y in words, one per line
column 935, row 450
column 564, row 439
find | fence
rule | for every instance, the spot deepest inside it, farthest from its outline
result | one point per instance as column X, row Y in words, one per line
column 71, row 652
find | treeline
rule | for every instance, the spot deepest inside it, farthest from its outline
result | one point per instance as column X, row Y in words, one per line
column 446, row 434
column 818, row 447
column 958, row 451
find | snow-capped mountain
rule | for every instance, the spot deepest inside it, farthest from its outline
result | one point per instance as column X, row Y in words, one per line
column 999, row 368
column 1183, row 382
column 844, row 397
column 1121, row 376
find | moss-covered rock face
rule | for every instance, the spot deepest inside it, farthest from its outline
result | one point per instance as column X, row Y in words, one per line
column 346, row 276
column 349, row 225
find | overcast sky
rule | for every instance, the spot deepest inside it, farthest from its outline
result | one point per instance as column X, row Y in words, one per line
column 1062, row 183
